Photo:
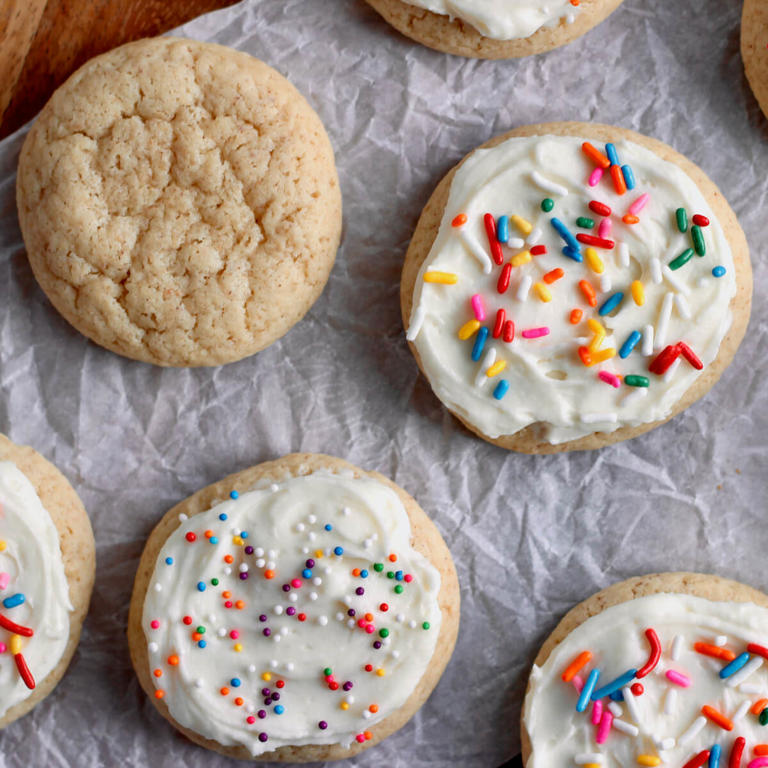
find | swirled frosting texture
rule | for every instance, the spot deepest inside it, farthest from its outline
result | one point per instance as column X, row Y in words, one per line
column 666, row 714
column 549, row 385
column 503, row 19
column 31, row 557
column 297, row 578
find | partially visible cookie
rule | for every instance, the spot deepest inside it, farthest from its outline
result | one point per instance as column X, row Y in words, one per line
column 179, row 202
column 47, row 563
column 299, row 610
column 651, row 671
column 754, row 48
column 494, row 29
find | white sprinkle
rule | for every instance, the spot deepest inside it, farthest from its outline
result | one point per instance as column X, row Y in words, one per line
column 212, row 618
column 270, row 564
column 748, row 669
column 647, row 348
column 366, row 714
column 346, row 511
column 284, row 631
column 395, row 653
column 488, row 360
column 312, row 535
column 677, row 647
column 615, row 708
column 667, row 743
column 417, row 320
column 476, row 250
column 274, row 487
column 634, row 393
column 313, row 595
column 721, row 640
column 599, row 418
column 305, row 550
column 656, row 270
column 750, row 688
column 351, row 623
column 412, row 624
column 199, row 682
column 535, row 236
column 259, row 552
column 322, row 620
column 674, row 280
column 273, row 663
column 523, row 288
column 222, row 632
column 152, row 647
column 670, row 701
column 633, row 706
column 183, row 517
column 326, row 569
column 548, row 185
column 515, row 242
column 312, row 519
column 624, row 727
column 278, row 609
column 605, row 282
column 243, row 567
column 277, row 638
column 741, row 711
column 692, row 731
column 293, row 597
column 350, row 699
column 260, row 563
column 400, row 617
column 663, row 324
column 672, row 370
column 589, row 757
column 289, row 666
column 250, row 708
column 300, row 527
column 339, row 616
column 682, row 306
column 317, row 581
column 251, row 668
column 271, row 554
column 227, row 571
column 158, row 587
column 623, row 254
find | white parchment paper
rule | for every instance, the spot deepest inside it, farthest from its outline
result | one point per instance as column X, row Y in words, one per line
column 530, row 535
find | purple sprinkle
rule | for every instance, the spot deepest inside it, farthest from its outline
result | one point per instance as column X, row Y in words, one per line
column 249, row 550
column 263, row 617
column 261, row 714
column 243, row 575
column 267, row 701
column 290, row 610
column 351, row 612
column 286, row 587
column 267, row 632
column 263, row 737
column 347, row 686
column 322, row 725
column 310, row 563
column 359, row 591
column 275, row 696
column 377, row 644
column 265, row 691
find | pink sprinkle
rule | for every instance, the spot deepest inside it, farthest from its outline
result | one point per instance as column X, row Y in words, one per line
column 250, row 719
column 234, row 634
column 595, row 176
column 478, row 307
column 155, row 624
column 758, row 762
column 678, row 678
column 578, row 683
column 536, row 333
column 610, row 378
column 5, row 579
column 639, row 204
column 3, row 647
column 360, row 738
column 408, row 578
column 604, row 728
column 606, row 225
column 370, row 629
column 597, row 711
column 296, row 583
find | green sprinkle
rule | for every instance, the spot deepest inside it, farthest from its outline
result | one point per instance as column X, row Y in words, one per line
column 327, row 671
column 383, row 633
column 764, row 717
column 425, row 625
column 698, row 240
column 215, row 582
column 390, row 574
column 200, row 630
column 399, row 589
column 585, row 222
column 378, row 567
column 682, row 219
column 636, row 381
column 682, row 259
column 547, row 204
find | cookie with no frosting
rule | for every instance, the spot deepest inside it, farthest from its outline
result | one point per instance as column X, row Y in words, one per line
column 754, row 48
column 658, row 669
column 494, row 29
column 560, row 299
column 47, row 562
column 299, row 610
column 179, row 202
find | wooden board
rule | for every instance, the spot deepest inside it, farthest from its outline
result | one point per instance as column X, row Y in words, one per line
column 43, row 41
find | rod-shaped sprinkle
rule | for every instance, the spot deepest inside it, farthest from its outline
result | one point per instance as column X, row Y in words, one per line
column 613, row 155
column 576, row 666
column 682, row 259
column 502, row 229
column 678, row 678
column 615, row 685
column 629, row 177
column 748, row 669
column 639, row 204
column 718, row 718
column 565, row 233
column 548, row 185
column 611, row 303
column 697, row 236
column 13, row 627
column 734, row 666
column 586, row 691
column 737, row 750
column 493, row 242
column 479, row 345
column 604, row 728
column 654, row 654
column 714, row 756
column 478, row 307
column 664, row 317
column 476, row 250
column 681, row 216
column 698, row 760
column 626, row 348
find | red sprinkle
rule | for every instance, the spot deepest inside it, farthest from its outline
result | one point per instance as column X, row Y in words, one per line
column 504, row 277
column 701, row 221
column 598, row 242
column 490, row 230
column 17, row 629
column 498, row 326
column 758, row 650
column 26, row 675
column 655, row 655
column 737, row 750
column 190, row 537
column 698, row 761
column 601, row 209
column 538, row 250
column 690, row 355
column 187, row 620
column 509, row 331
column 662, row 362
column 637, row 689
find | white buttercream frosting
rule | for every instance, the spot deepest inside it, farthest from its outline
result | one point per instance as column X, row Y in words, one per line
column 503, row 19
column 31, row 565
column 548, row 383
column 257, row 644
column 667, row 716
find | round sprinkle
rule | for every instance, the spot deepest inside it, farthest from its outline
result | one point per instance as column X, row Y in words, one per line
column 547, row 204
column 190, row 537
column 235, row 682
column 425, row 625
column 328, row 527
column 338, row 551
column 383, row 633
column 378, row 567
column 399, row 589
column 223, row 516
column 201, row 586
column 169, row 561
column 718, row 271
column 322, row 725
column 279, row 709
column 233, row 494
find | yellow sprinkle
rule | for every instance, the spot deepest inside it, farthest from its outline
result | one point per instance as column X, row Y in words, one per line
column 266, row 676
column 344, row 705
column 380, row 672
column 592, row 765
column 594, row 261
column 2, row 545
column 542, row 291
column 15, row 644
column 651, row 760
column 446, row 278
column 318, row 553
column 603, row 355
column 522, row 224
column 238, row 647
column 599, row 331
column 237, row 540
column 596, row 326
column 521, row 258
column 468, row 329
column 638, row 294
column 496, row 368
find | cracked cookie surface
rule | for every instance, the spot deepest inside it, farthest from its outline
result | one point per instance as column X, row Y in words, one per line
column 179, row 202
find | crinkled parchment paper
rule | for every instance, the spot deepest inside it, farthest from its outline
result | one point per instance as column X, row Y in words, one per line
column 530, row 535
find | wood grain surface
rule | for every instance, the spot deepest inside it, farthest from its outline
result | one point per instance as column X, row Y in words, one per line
column 43, row 41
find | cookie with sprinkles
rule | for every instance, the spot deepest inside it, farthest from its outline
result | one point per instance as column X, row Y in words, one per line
column 665, row 669
column 47, row 563
column 754, row 48
column 300, row 610
column 494, row 29
column 571, row 285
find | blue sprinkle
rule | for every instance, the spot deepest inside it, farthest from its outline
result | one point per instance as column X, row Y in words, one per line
column 243, row 534
column 328, row 527
column 630, row 344
column 613, row 155
column 169, row 561
column 565, row 233
column 629, row 176
column 502, row 229
column 616, row 696
column 214, row 539
column 235, row 682
column 233, row 494
column 586, row 691
column 572, row 254
column 14, row 600
column 279, row 709
column 477, row 349
column 734, row 666
column 201, row 586
column 718, row 271
column 501, row 389
column 363, row 574
column 399, row 575
column 616, row 685
column 338, row 551
column 306, row 573
column 223, row 516
column 611, row 303
column 714, row 756
column 201, row 643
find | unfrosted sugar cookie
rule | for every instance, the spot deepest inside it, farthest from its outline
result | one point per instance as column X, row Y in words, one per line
column 494, row 29
column 300, row 610
column 179, row 202
column 46, row 576
column 661, row 670
column 754, row 48
column 572, row 285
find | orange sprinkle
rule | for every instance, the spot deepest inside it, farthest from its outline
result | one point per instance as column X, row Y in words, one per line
column 159, row 693
column 576, row 665
column 630, row 219
column 208, row 534
column 355, row 571
column 224, row 691
column 226, row 594
column 158, row 673
column 589, row 292
column 369, row 617
column 761, row 749
column 228, row 558
column 585, row 356
column 555, row 274
column 373, row 708
column 239, row 605
column 269, row 574
column 576, row 315
column 618, row 180
column 393, row 558
column 173, row 660
column 759, row 706
column 196, row 636
column 595, row 155
column 718, row 718
column 460, row 220
column 715, row 651
column 368, row 735
column 238, row 702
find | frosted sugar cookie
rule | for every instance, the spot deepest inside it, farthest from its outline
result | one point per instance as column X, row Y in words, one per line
column 179, row 202
column 754, row 48
column 494, row 29
column 570, row 285
column 300, row 610
column 46, row 577
column 667, row 669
